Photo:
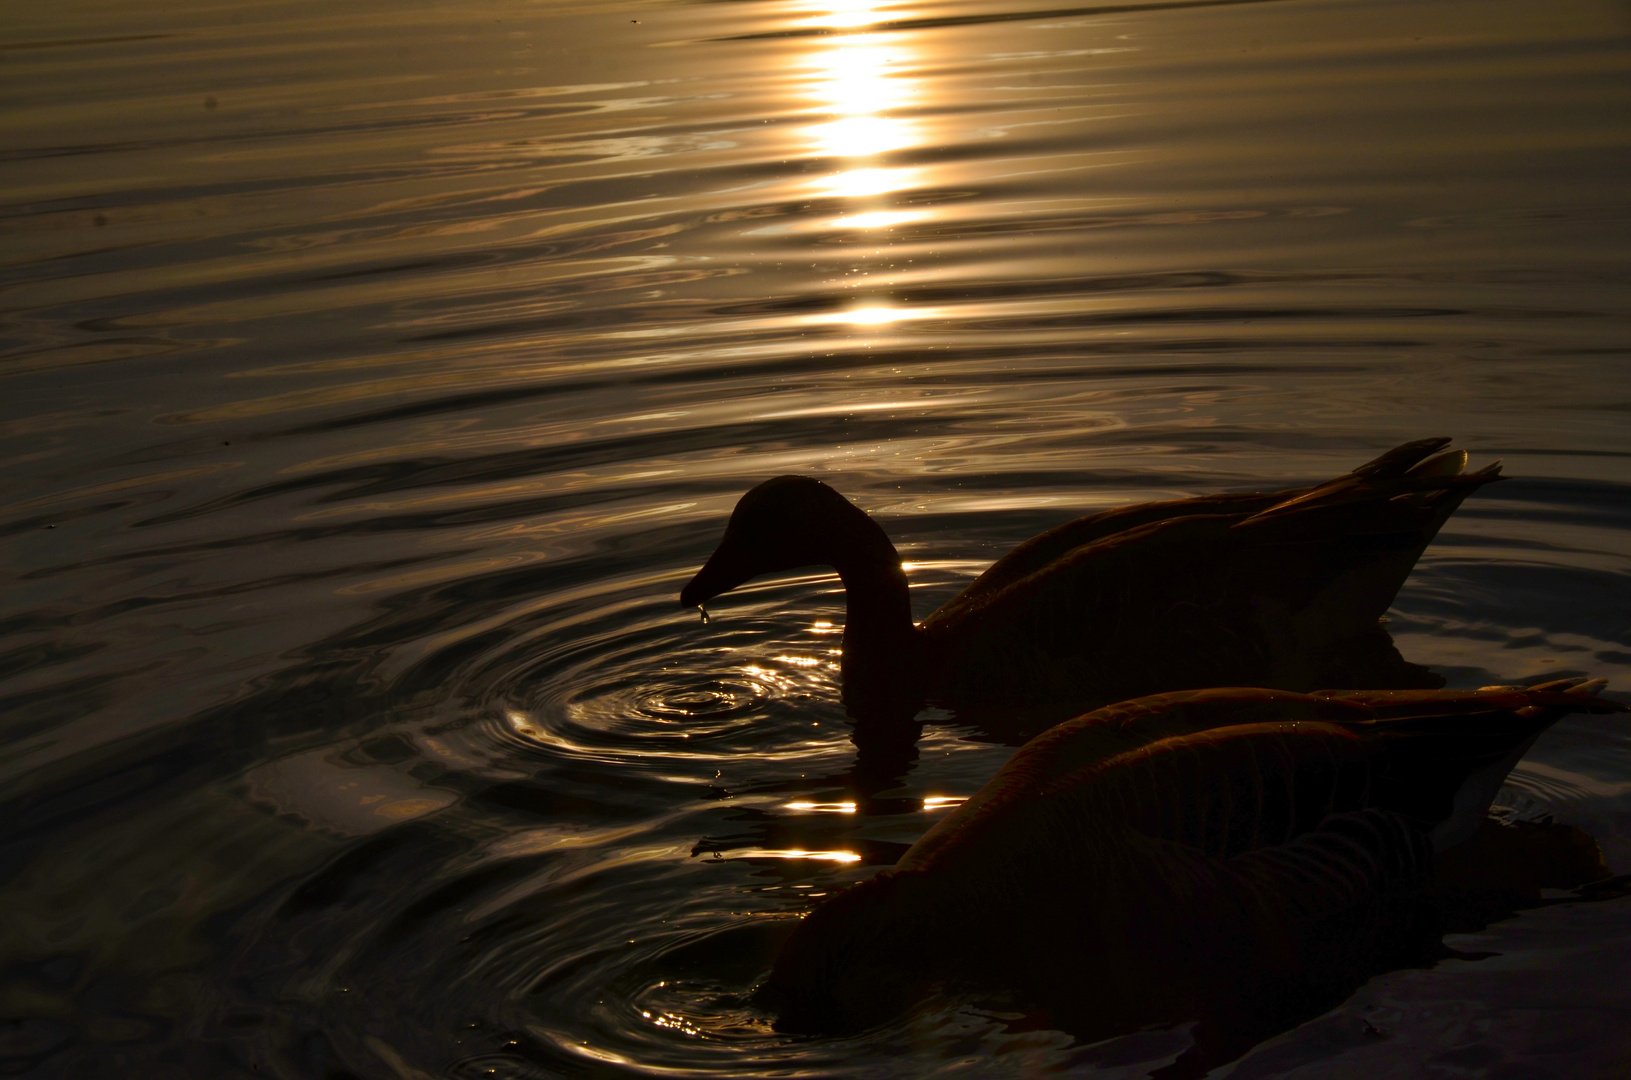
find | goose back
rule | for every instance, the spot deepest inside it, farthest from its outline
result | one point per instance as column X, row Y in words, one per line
column 1260, row 596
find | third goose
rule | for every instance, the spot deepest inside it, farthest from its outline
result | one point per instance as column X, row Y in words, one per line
column 1220, row 590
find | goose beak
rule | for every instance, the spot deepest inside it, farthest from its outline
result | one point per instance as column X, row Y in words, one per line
column 728, row 567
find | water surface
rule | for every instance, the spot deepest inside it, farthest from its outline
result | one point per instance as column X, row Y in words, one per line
column 372, row 378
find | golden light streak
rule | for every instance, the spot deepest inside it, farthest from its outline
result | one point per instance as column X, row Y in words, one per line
column 866, row 315
column 861, row 136
column 846, row 14
column 789, row 853
column 822, row 807
column 878, row 219
column 862, row 182
column 872, row 315
column 859, row 88
column 855, row 84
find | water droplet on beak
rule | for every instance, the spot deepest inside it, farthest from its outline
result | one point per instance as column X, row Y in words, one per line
column 704, row 610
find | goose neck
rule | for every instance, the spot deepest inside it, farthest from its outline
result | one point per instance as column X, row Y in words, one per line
column 878, row 607
column 882, row 662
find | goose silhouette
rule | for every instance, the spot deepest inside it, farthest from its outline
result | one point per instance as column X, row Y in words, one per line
column 1272, row 589
column 1233, row 856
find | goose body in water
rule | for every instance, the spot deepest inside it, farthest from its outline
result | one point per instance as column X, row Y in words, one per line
column 1271, row 589
column 1237, row 857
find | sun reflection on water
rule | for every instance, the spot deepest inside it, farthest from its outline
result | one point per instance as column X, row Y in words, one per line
column 806, row 806
column 847, row 13
column 873, row 313
column 859, row 183
column 859, row 83
column 878, row 219
column 873, row 316
column 789, row 853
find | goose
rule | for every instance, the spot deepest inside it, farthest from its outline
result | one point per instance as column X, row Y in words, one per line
column 1234, row 856
column 1269, row 589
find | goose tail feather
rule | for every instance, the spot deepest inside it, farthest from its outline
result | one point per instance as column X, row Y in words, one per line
column 1409, row 473
column 1401, row 459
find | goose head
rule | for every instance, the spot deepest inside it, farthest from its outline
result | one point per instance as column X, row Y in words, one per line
column 865, row 956
column 786, row 523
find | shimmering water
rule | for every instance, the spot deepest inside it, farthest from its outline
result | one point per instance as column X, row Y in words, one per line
column 373, row 375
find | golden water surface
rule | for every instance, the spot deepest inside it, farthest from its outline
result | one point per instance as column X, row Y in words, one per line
column 373, row 375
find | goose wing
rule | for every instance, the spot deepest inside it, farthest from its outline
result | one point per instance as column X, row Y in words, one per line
column 1257, row 852
column 1201, row 599
column 1297, row 846
column 1076, row 746
column 1142, row 879
column 1175, row 604
column 1230, row 770
column 1162, row 854
column 1211, row 794
column 1048, row 547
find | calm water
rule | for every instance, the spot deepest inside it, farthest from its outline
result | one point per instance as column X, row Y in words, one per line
column 373, row 375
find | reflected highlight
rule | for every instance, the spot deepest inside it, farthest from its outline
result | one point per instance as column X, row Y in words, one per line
column 788, row 853
column 822, row 807
column 872, row 315
column 847, row 14
column 856, row 83
column 859, row 183
column 878, row 219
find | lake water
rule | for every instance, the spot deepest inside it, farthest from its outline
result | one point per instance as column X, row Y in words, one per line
column 372, row 376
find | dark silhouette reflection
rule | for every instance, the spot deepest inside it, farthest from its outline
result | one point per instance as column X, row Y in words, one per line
column 885, row 751
column 1237, row 860
column 1281, row 589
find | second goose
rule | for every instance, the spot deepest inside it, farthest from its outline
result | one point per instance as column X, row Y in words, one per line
column 1238, row 857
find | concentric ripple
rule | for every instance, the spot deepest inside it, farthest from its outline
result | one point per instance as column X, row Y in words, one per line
column 641, row 683
column 714, row 700
column 374, row 380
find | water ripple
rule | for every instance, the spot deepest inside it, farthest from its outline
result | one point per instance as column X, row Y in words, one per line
column 375, row 378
